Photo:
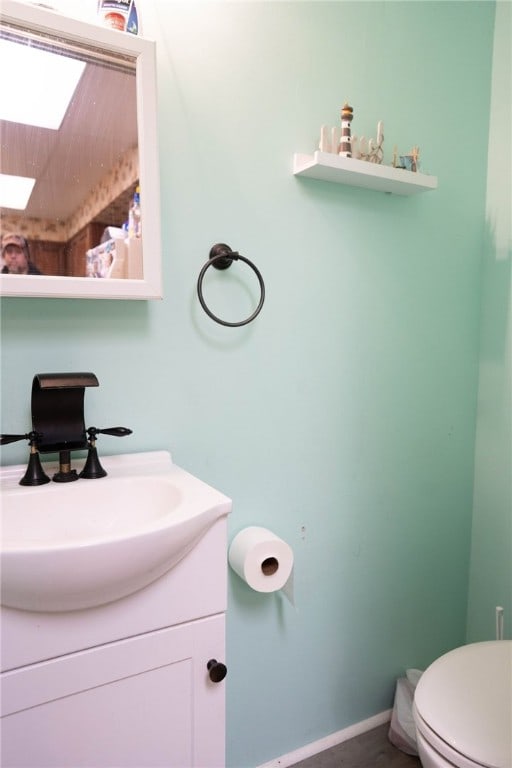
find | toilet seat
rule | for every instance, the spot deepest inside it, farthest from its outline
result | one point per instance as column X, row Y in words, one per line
column 438, row 750
column 463, row 705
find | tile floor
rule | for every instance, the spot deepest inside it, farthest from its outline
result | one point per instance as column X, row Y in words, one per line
column 369, row 750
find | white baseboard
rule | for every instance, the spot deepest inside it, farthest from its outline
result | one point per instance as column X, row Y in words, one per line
column 308, row 750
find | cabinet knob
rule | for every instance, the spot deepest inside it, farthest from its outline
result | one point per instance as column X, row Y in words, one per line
column 217, row 670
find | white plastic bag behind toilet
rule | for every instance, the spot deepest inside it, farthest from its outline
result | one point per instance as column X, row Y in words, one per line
column 402, row 731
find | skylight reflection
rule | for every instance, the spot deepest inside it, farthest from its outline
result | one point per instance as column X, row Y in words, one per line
column 15, row 191
column 36, row 86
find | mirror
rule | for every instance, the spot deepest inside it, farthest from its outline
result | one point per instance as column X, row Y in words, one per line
column 88, row 166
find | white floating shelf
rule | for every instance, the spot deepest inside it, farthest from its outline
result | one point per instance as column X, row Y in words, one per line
column 360, row 173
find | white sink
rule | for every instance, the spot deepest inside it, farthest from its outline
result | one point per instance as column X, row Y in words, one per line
column 70, row 546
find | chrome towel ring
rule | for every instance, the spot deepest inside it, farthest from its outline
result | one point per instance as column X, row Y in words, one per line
column 221, row 257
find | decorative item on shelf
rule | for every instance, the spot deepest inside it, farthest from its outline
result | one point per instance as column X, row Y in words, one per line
column 347, row 114
column 329, row 139
column 359, row 147
column 371, row 152
column 324, row 145
column 397, row 159
column 335, row 140
column 411, row 162
column 349, row 145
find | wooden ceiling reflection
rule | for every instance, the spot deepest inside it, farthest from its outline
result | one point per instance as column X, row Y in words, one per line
column 98, row 130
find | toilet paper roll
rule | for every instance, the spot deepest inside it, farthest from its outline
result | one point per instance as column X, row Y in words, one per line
column 261, row 559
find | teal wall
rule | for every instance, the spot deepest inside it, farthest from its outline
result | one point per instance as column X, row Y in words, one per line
column 344, row 417
column 491, row 553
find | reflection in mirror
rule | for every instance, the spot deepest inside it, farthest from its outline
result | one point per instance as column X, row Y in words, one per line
column 82, row 162
column 85, row 170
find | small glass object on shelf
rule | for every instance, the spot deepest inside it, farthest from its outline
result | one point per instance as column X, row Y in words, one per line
column 410, row 162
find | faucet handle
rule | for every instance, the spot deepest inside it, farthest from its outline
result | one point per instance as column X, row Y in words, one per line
column 93, row 468
column 115, row 431
column 30, row 436
column 6, row 439
column 34, row 474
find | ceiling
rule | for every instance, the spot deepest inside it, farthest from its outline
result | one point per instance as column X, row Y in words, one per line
column 99, row 127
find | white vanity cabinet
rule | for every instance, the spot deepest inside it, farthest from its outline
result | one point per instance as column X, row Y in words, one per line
column 141, row 702
column 124, row 684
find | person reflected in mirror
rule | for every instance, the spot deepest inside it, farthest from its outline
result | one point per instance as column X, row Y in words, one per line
column 16, row 256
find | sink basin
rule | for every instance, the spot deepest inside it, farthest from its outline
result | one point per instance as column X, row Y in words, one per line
column 77, row 545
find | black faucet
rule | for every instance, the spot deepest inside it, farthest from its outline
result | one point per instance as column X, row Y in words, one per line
column 58, row 426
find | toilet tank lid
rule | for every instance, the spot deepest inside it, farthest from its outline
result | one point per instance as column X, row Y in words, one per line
column 465, row 696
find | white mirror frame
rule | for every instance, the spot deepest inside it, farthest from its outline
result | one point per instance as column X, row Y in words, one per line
column 42, row 21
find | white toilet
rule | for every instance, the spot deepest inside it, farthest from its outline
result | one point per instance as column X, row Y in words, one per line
column 463, row 708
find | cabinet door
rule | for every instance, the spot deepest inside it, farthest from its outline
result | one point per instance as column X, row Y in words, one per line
column 76, row 254
column 88, row 237
column 47, row 256
column 138, row 703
